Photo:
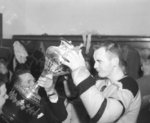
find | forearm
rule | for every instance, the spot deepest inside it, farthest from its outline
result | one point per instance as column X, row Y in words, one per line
column 91, row 98
column 98, row 107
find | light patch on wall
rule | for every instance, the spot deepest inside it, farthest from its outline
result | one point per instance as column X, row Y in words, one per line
column 114, row 17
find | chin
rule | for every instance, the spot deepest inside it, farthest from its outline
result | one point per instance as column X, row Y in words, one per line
column 101, row 75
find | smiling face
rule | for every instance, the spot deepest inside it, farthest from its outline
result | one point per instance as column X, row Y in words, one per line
column 3, row 95
column 103, row 62
column 27, row 80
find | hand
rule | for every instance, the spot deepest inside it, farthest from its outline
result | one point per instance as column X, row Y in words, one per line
column 46, row 82
column 73, row 59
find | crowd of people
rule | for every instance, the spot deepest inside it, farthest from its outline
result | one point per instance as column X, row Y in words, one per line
column 23, row 106
column 104, row 86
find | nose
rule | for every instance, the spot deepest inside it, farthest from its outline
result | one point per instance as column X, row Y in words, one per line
column 95, row 65
column 32, row 83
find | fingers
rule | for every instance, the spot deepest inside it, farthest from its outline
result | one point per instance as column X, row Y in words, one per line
column 49, row 76
column 67, row 58
column 41, row 81
column 72, row 58
column 45, row 82
column 65, row 61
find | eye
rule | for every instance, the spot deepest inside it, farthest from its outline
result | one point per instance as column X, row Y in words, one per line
column 29, row 81
column 5, row 95
column 99, row 61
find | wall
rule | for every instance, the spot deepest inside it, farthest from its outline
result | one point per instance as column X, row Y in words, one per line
column 111, row 17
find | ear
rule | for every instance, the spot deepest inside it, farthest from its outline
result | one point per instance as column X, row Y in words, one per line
column 115, row 61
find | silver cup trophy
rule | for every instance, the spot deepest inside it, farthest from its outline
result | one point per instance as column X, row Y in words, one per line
column 24, row 104
column 53, row 65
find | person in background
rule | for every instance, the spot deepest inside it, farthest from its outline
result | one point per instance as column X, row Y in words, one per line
column 143, row 82
column 117, row 97
column 4, row 68
column 6, row 72
column 144, row 85
column 3, row 96
column 51, row 109
column 23, row 60
column 133, row 62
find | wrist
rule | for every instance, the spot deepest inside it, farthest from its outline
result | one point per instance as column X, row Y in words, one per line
column 80, row 74
column 53, row 96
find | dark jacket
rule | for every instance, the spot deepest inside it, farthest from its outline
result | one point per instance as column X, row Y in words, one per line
column 52, row 112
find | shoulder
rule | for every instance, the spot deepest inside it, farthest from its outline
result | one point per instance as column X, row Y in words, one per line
column 130, row 84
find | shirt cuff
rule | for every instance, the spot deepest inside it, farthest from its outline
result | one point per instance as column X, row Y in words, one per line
column 53, row 98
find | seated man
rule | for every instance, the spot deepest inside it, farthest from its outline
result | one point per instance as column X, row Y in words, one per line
column 118, row 98
column 47, row 108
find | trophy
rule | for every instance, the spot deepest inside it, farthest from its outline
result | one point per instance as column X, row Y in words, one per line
column 24, row 104
column 53, row 58
column 53, row 65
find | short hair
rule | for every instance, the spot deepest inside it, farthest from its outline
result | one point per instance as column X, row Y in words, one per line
column 117, row 49
column 16, row 76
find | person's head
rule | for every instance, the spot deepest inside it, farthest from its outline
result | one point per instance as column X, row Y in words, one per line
column 109, row 59
column 145, row 64
column 3, row 66
column 24, row 78
column 3, row 90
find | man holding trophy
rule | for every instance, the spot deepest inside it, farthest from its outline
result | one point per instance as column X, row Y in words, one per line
column 31, row 106
column 26, row 103
column 115, row 98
